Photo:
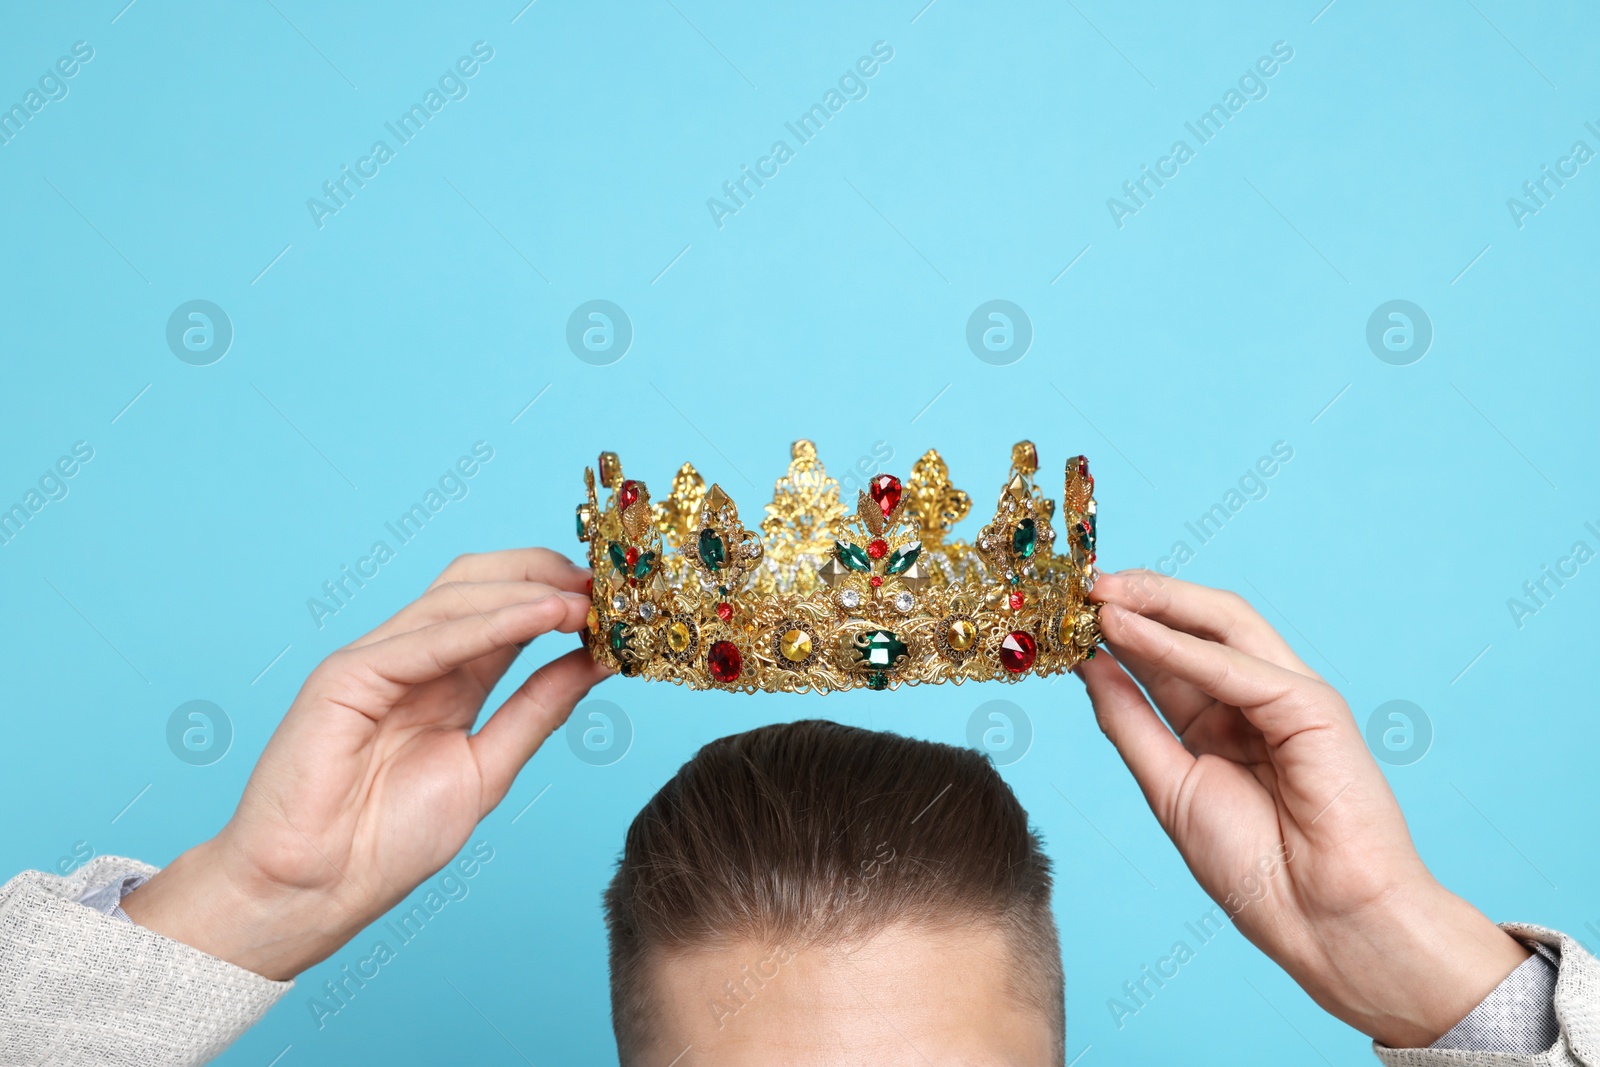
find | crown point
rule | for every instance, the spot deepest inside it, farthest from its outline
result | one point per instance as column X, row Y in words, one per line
column 803, row 449
column 1017, row 488
column 610, row 470
column 716, row 499
column 1025, row 457
column 1078, row 496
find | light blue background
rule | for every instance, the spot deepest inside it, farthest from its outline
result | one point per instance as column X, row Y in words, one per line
column 1228, row 314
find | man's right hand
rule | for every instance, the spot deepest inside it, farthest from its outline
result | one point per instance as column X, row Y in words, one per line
column 374, row 779
column 1259, row 774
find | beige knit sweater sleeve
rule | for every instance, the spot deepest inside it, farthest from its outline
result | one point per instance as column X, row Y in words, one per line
column 78, row 987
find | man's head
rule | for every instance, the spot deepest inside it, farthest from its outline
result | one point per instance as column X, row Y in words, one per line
column 817, row 893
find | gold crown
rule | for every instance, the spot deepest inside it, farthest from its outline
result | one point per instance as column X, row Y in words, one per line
column 824, row 599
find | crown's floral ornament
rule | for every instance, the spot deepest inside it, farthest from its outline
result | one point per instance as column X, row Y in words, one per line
column 827, row 599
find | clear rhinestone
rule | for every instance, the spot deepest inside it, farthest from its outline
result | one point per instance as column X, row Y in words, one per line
column 619, row 603
column 647, row 611
column 904, row 602
column 750, row 550
column 850, row 598
column 984, row 542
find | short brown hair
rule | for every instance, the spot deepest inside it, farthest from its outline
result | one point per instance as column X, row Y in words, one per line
column 778, row 835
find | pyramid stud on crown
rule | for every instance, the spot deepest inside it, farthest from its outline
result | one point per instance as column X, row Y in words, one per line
column 823, row 598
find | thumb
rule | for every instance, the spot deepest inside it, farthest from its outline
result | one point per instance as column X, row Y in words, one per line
column 1156, row 757
column 530, row 715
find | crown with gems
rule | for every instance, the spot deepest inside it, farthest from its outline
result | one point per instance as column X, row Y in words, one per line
column 822, row 598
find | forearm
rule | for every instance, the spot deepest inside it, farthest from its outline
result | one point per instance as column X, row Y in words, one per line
column 1407, row 968
column 209, row 900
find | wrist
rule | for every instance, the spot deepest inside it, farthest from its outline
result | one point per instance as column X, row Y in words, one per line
column 210, row 901
column 1406, row 969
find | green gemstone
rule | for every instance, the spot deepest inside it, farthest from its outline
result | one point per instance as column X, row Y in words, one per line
column 578, row 517
column 1090, row 653
column 713, row 553
column 619, row 559
column 877, row 680
column 853, row 556
column 1024, row 539
column 643, row 565
column 883, row 650
column 619, row 637
column 903, row 557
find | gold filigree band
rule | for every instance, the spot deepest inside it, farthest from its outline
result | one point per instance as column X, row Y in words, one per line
column 823, row 598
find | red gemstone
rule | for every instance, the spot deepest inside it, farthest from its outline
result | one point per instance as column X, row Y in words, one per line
column 632, row 555
column 628, row 494
column 724, row 662
column 1017, row 651
column 1017, row 600
column 876, row 580
column 877, row 548
column 724, row 611
column 886, row 491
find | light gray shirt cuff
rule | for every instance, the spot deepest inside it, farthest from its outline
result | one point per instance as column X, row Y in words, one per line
column 105, row 895
column 1519, row 1016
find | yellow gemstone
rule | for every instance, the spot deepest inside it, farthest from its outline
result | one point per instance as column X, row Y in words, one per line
column 1066, row 632
column 961, row 634
column 593, row 620
column 795, row 645
column 678, row 636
